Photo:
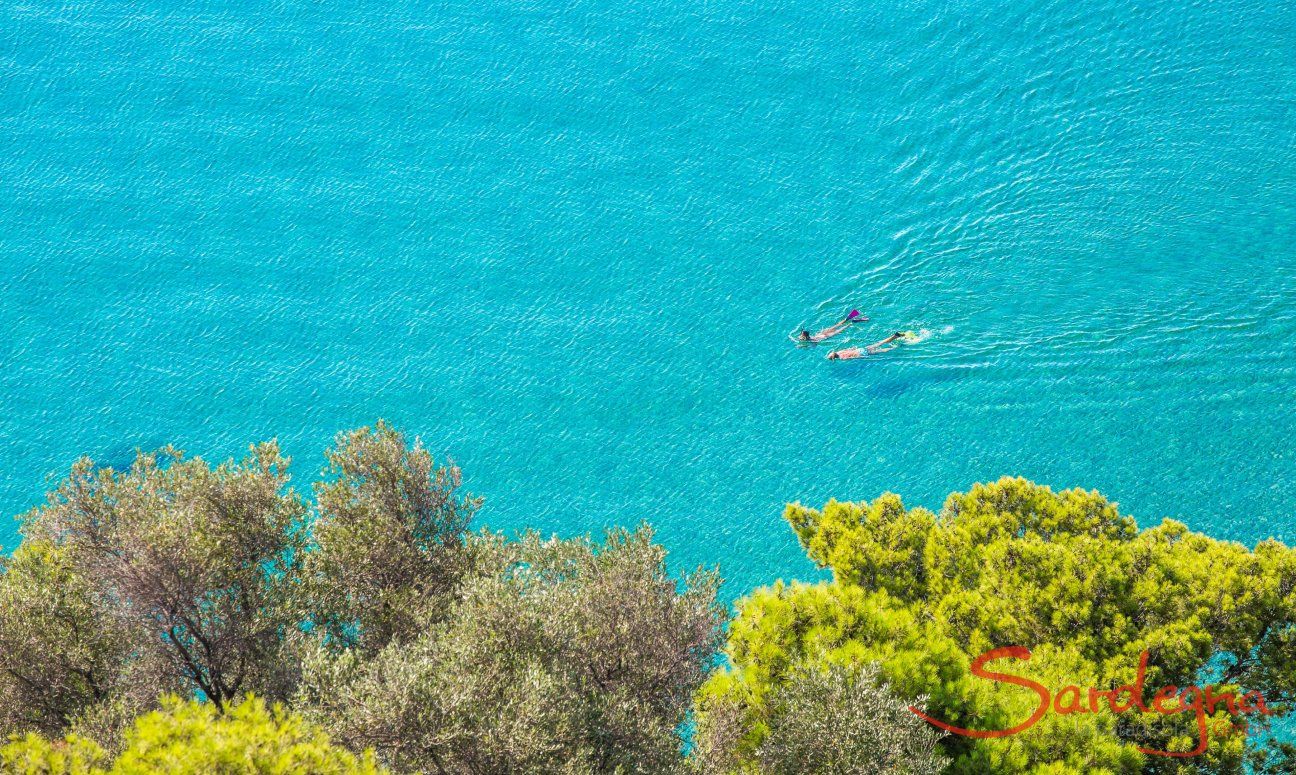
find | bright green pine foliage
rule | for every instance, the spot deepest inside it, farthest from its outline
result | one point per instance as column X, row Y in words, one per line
column 193, row 738
column 34, row 755
column 1014, row 563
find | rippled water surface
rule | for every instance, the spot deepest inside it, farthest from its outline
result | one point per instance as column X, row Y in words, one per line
column 565, row 243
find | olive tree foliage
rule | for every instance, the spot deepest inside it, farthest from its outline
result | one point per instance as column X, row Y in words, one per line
column 834, row 719
column 371, row 608
column 558, row 656
column 389, row 538
column 176, row 575
column 60, row 652
column 195, row 565
column 1013, row 563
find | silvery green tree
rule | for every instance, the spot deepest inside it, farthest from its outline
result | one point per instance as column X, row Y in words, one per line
column 827, row 720
column 60, row 653
column 389, row 538
column 193, row 565
column 445, row 652
column 555, row 657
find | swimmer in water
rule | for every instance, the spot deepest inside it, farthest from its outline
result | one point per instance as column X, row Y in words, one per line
column 850, row 353
column 846, row 354
column 881, row 347
column 834, row 329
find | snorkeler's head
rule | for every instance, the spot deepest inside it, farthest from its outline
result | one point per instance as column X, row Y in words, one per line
column 805, row 335
column 832, row 356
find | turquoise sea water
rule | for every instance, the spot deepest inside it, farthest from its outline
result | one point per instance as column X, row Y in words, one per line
column 565, row 243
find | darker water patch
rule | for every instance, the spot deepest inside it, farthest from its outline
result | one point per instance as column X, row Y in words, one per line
column 894, row 387
column 119, row 457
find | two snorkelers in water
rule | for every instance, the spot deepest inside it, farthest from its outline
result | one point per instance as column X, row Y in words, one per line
column 849, row 353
